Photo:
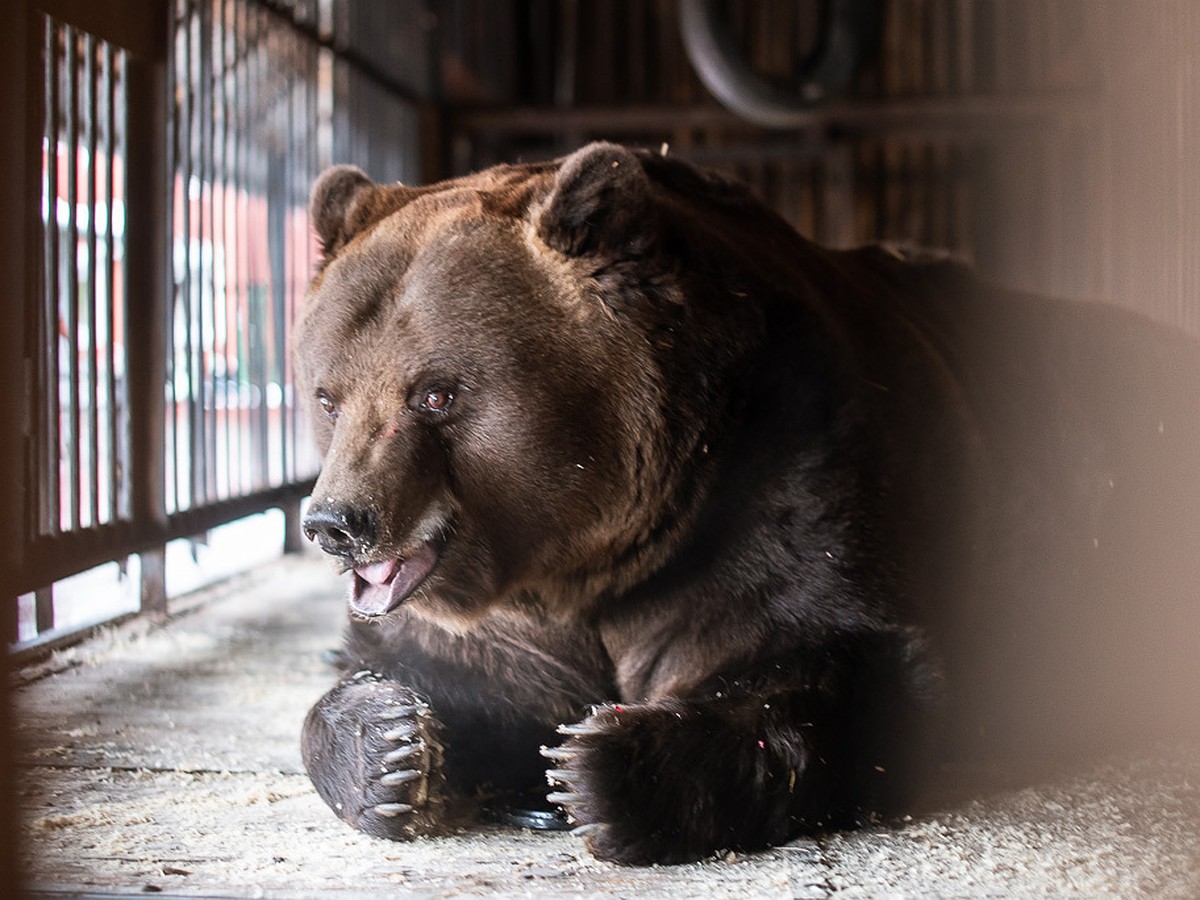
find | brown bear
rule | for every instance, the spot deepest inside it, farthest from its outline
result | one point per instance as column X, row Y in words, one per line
column 729, row 536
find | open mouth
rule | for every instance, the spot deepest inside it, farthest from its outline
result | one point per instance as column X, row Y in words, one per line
column 382, row 586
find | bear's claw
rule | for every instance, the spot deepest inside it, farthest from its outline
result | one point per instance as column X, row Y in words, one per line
column 402, row 777
column 609, row 784
column 401, row 732
column 402, row 753
column 390, row 810
column 400, row 712
column 404, row 768
column 373, row 751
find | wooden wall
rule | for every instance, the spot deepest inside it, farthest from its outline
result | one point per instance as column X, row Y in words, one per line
column 1055, row 144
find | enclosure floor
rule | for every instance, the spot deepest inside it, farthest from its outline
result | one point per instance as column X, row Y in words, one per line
column 165, row 759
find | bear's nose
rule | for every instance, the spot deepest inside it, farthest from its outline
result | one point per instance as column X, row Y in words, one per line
column 340, row 529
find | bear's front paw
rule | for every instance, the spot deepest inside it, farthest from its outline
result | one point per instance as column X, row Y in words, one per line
column 373, row 753
column 665, row 783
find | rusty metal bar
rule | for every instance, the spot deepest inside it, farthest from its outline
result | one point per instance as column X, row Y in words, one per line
column 185, row 461
column 177, row 212
column 293, row 534
column 115, row 446
column 241, row 300
column 71, row 450
column 43, row 599
column 20, row 170
column 47, row 438
column 152, row 589
column 228, row 396
column 206, row 295
column 283, row 305
column 261, row 174
column 90, row 547
column 93, row 344
column 145, row 254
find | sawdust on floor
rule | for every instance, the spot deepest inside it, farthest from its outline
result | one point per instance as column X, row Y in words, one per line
column 165, row 759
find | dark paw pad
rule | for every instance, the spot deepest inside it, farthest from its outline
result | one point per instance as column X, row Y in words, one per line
column 383, row 772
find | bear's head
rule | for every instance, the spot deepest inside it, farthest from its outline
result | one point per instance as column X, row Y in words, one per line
column 490, row 367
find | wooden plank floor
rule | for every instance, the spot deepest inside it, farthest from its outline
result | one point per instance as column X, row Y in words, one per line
column 165, row 759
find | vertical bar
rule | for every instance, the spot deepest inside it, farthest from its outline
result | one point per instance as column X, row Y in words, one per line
column 939, row 192
column 175, row 212
column 234, row 248
column 180, row 258
column 289, row 251
column 210, row 181
column 964, row 45
column 837, row 199
column 882, row 191
column 269, row 321
column 22, row 69
column 147, row 281
column 199, row 397
column 960, row 199
column 44, row 605
column 93, row 346
column 261, row 299
column 199, row 300
column 178, row 237
column 241, row 105
column 170, row 300
column 293, row 536
column 205, row 294
column 307, row 151
column 104, row 329
column 153, row 590
column 72, row 450
column 222, row 177
column 48, row 438
column 253, row 113
column 187, row 462
column 19, row 230
column 114, row 449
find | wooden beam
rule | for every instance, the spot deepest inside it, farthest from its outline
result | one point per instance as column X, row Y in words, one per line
column 984, row 116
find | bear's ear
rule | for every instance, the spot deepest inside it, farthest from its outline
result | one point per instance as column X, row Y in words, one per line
column 600, row 204
column 335, row 194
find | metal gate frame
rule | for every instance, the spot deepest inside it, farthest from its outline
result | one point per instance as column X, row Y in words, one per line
column 177, row 177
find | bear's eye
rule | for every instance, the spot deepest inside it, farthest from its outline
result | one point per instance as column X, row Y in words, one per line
column 327, row 404
column 436, row 400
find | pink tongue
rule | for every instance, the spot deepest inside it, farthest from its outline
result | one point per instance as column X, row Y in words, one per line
column 381, row 587
column 378, row 573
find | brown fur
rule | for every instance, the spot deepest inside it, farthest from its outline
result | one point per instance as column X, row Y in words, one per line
column 791, row 516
